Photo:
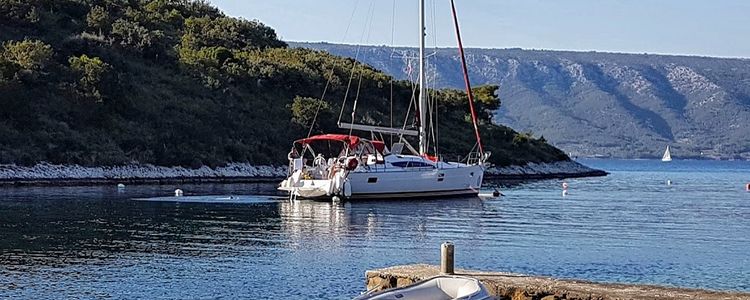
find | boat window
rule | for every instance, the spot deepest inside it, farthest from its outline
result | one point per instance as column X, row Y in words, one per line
column 372, row 180
column 411, row 164
column 397, row 148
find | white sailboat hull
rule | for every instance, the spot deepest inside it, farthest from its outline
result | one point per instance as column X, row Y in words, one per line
column 465, row 180
column 381, row 183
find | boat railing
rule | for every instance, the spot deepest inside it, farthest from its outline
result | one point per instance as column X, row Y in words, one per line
column 474, row 158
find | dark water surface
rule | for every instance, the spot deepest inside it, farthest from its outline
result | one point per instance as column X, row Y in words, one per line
column 96, row 242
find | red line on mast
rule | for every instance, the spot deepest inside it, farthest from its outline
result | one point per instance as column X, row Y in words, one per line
column 466, row 78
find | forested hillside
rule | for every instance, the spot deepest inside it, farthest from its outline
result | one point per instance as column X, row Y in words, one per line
column 602, row 104
column 177, row 82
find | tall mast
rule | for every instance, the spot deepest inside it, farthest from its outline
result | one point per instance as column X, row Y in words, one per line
column 422, row 89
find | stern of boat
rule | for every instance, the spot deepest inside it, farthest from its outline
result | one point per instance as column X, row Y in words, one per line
column 298, row 186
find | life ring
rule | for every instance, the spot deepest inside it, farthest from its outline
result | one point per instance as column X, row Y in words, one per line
column 352, row 163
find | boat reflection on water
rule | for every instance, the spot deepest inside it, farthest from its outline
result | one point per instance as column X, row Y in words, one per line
column 340, row 223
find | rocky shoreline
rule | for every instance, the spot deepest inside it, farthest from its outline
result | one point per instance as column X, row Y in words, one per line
column 560, row 169
column 50, row 174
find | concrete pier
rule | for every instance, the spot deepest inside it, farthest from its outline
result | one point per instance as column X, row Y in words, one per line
column 523, row 287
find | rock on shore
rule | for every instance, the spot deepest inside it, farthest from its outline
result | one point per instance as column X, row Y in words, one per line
column 145, row 172
column 559, row 169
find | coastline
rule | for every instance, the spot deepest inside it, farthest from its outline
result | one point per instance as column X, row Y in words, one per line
column 45, row 174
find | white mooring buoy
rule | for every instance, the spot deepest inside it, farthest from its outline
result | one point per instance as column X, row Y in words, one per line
column 120, row 186
column 178, row 193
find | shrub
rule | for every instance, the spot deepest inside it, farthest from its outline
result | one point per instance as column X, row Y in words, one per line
column 91, row 71
column 28, row 54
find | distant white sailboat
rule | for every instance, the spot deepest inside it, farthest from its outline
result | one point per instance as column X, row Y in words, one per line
column 667, row 155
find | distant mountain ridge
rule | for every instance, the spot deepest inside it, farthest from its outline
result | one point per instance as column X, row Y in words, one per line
column 599, row 104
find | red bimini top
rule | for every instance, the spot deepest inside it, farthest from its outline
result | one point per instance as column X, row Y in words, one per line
column 351, row 140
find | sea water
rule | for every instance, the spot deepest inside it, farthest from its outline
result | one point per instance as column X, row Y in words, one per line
column 246, row 241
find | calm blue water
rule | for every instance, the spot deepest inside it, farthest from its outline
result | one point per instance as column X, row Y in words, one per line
column 95, row 242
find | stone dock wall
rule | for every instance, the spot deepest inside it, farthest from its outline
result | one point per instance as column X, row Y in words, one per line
column 522, row 287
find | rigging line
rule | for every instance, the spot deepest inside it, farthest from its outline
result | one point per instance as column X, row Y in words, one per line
column 364, row 39
column 434, row 78
column 393, row 50
column 391, row 119
column 433, row 100
column 354, row 66
column 412, row 103
column 356, row 99
column 432, row 125
column 430, row 106
column 349, row 84
column 393, row 28
column 466, row 78
column 331, row 73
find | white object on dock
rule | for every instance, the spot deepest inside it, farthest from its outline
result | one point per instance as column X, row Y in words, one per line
column 178, row 193
column 435, row 288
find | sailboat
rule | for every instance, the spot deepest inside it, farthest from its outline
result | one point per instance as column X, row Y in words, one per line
column 667, row 155
column 346, row 166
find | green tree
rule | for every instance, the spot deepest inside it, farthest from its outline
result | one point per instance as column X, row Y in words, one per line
column 91, row 71
column 28, row 54
column 304, row 110
column 98, row 19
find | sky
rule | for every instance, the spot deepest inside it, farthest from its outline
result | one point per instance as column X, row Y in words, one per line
column 686, row 27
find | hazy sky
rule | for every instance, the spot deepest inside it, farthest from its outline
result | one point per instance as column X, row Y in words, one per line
column 694, row 27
